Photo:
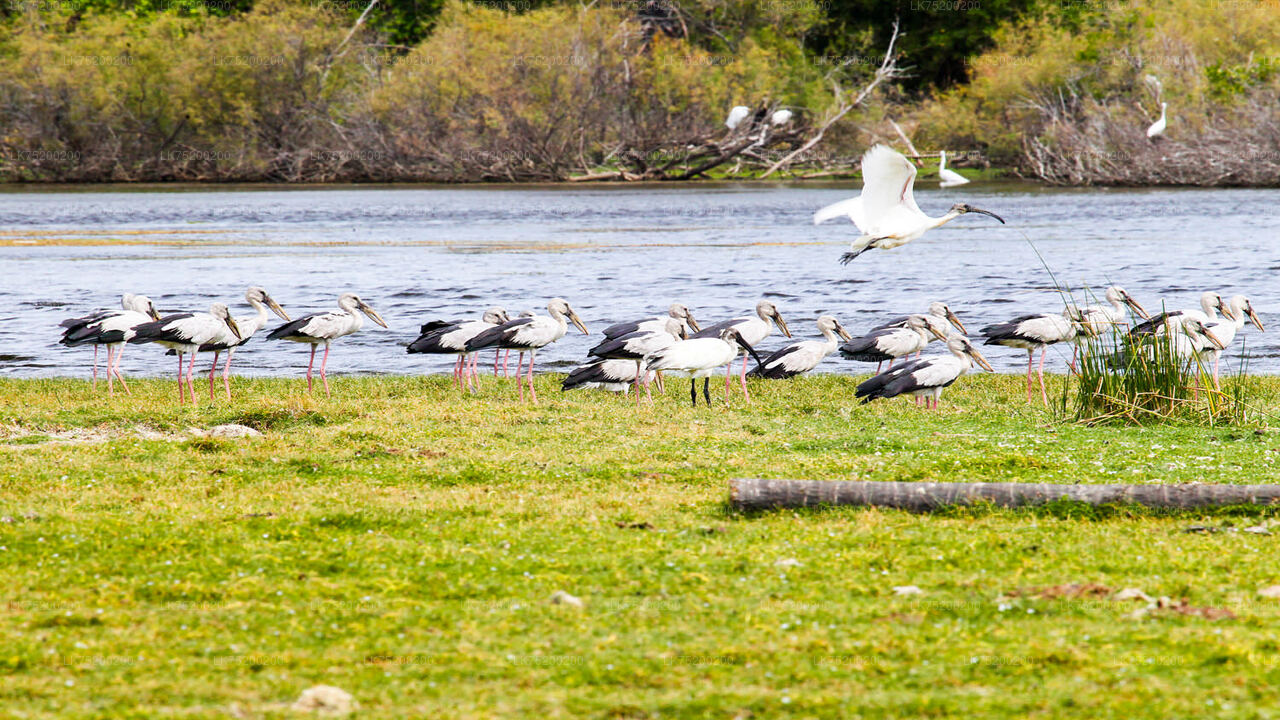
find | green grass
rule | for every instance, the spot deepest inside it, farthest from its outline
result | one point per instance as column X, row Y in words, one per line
column 402, row 542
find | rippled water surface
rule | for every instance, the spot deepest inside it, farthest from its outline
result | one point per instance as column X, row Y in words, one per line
column 616, row 253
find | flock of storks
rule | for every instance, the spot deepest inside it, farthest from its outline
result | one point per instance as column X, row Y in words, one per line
column 633, row 353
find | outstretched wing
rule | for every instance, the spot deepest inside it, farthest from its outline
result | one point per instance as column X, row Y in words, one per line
column 851, row 208
column 887, row 178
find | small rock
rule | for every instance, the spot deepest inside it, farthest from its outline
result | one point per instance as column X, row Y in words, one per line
column 194, row 431
column 907, row 590
column 233, row 431
column 1133, row 594
column 1256, row 530
column 325, row 700
column 787, row 562
column 146, row 433
column 1272, row 591
column 561, row 597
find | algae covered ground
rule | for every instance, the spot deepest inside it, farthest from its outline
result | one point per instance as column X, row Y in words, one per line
column 403, row 542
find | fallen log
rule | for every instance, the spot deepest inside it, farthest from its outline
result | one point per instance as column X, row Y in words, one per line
column 759, row 494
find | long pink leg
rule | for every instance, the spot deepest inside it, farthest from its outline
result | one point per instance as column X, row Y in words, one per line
column 95, row 367
column 213, row 371
column 182, row 397
column 533, row 392
column 226, row 374
column 324, row 376
column 457, row 371
column 1031, row 356
column 310, row 363
column 878, row 366
column 475, row 375
column 506, row 362
column 743, row 377
column 497, row 355
column 111, row 389
column 191, row 383
column 116, row 370
column 890, row 364
column 519, row 363
column 1040, row 371
column 662, row 387
column 728, row 375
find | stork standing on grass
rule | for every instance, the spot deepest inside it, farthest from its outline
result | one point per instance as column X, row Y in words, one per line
column 677, row 311
column 1238, row 310
column 925, row 377
column 635, row 346
column 886, row 211
column 938, row 316
column 605, row 374
column 1210, row 303
column 892, row 343
column 801, row 357
column 753, row 331
column 324, row 328
column 701, row 357
column 1093, row 320
column 529, row 335
column 1031, row 333
column 248, row 326
column 112, row 328
column 184, row 333
column 449, row 337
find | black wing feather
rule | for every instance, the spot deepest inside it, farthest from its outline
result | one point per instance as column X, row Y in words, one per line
column 152, row 331
column 499, row 336
column 773, row 367
column 292, row 329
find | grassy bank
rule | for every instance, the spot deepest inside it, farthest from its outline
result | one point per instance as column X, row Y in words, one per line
column 402, row 543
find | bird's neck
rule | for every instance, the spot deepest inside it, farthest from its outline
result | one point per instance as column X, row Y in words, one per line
column 939, row 222
column 262, row 310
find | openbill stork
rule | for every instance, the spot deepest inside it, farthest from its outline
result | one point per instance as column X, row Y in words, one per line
column 677, row 311
column 1239, row 310
column 948, row 178
column 635, row 346
column 1210, row 303
column 938, row 316
column 449, row 337
column 529, row 334
column 753, row 331
column 801, row 357
column 249, row 325
column 324, row 328
column 112, row 328
column 701, row 357
column 603, row 373
column 886, row 211
column 1031, row 333
column 925, row 377
column 184, row 333
column 1093, row 320
column 892, row 343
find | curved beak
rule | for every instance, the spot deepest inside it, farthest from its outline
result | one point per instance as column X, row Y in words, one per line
column 1128, row 300
column 373, row 314
column 980, row 211
column 1253, row 317
column 573, row 316
column 688, row 318
column 934, row 331
column 747, row 346
column 235, row 329
column 1214, row 339
column 842, row 332
column 782, row 324
column 977, row 357
column 275, row 308
column 951, row 317
column 1226, row 310
column 151, row 310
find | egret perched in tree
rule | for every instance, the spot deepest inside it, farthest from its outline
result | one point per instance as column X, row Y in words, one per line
column 886, row 211
column 1157, row 127
column 780, row 117
column 927, row 377
column 950, row 178
column 736, row 116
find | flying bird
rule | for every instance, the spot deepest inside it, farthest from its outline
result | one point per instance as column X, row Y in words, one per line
column 886, row 211
column 324, row 328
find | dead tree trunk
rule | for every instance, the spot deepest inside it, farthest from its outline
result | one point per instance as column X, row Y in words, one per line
column 758, row 494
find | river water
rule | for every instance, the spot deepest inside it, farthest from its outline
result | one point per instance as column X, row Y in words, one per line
column 614, row 252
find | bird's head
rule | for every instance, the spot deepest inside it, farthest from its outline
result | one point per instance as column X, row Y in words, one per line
column 559, row 307
column 769, row 312
column 1242, row 308
column 733, row 337
column 681, row 312
column 963, row 208
column 921, row 324
column 828, row 323
column 676, row 328
column 1117, row 294
column 1193, row 327
column 351, row 300
column 221, row 312
column 959, row 345
column 495, row 316
column 940, row 309
column 143, row 304
column 256, row 295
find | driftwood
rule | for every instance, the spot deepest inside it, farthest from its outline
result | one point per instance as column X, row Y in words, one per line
column 758, row 494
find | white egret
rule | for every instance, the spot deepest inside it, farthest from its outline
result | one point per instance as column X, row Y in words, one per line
column 736, row 116
column 1157, row 127
column 886, row 211
column 700, row 358
column 949, row 178
column 780, row 117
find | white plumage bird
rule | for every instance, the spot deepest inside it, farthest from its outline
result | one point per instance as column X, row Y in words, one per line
column 925, row 377
column 886, row 210
column 677, row 311
column 112, row 328
column 449, row 337
column 248, row 326
column 635, row 346
column 949, row 178
column 780, row 117
column 938, row 316
column 324, row 328
column 1031, row 333
column 1093, row 320
column 529, row 334
column 1239, row 310
column 701, row 357
column 801, row 357
column 1157, row 127
column 1210, row 303
column 184, row 333
column 736, row 115
column 753, row 329
column 892, row 343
